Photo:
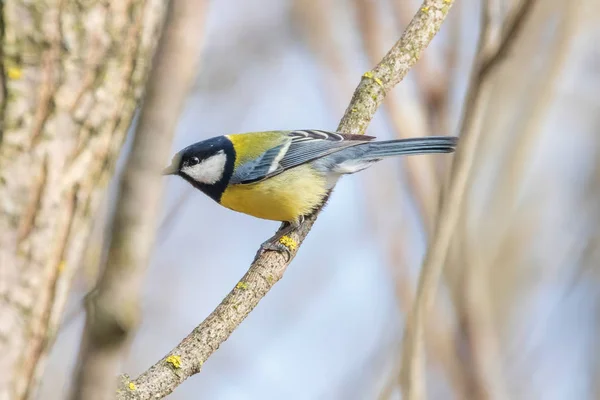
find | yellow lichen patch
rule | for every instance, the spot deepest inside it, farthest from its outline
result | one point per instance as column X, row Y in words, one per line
column 447, row 1
column 61, row 266
column 14, row 73
column 242, row 285
column 270, row 278
column 288, row 242
column 370, row 75
column 175, row 361
column 132, row 386
column 424, row 9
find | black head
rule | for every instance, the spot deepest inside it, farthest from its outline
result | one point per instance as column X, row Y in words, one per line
column 207, row 165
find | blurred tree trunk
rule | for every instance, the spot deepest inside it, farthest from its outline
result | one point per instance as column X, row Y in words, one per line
column 71, row 75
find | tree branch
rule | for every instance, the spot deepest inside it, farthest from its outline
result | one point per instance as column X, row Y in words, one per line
column 112, row 312
column 413, row 116
column 407, row 120
column 187, row 358
column 493, row 46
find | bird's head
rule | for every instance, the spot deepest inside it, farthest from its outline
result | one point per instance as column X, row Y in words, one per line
column 207, row 165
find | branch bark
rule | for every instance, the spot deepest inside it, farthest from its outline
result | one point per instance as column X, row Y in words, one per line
column 187, row 358
column 112, row 307
column 493, row 46
column 407, row 121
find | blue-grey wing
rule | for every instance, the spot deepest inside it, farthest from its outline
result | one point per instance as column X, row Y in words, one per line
column 260, row 167
column 304, row 146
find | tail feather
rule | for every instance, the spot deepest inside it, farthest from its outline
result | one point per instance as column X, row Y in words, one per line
column 356, row 158
column 423, row 145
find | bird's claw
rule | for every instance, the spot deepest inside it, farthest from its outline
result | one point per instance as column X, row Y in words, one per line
column 282, row 245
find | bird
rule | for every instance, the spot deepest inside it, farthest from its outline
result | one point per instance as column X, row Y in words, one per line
column 286, row 176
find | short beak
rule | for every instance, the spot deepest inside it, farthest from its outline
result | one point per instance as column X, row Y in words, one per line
column 170, row 170
column 173, row 169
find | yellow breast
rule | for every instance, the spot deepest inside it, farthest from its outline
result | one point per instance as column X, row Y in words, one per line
column 285, row 197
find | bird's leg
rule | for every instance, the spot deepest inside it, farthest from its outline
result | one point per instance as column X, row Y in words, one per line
column 276, row 243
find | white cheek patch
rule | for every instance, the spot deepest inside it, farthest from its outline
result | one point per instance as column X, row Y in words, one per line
column 209, row 171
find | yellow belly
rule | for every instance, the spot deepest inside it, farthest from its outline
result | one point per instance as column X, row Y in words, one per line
column 285, row 197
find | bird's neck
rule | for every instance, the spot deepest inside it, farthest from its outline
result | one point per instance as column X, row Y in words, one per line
column 213, row 191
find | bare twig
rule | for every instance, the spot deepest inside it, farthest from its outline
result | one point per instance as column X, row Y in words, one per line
column 112, row 312
column 187, row 358
column 407, row 117
column 314, row 19
column 478, row 312
column 396, row 240
column 492, row 48
column 433, row 83
column 540, row 98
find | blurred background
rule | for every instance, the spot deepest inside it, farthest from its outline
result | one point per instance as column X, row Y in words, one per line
column 518, row 315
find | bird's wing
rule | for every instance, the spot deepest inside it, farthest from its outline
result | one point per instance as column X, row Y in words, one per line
column 301, row 147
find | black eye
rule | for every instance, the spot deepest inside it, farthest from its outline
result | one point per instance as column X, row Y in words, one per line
column 193, row 161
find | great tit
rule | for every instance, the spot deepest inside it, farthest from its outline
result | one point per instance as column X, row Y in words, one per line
column 286, row 175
